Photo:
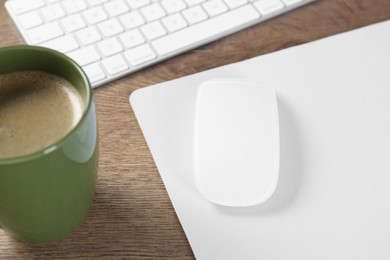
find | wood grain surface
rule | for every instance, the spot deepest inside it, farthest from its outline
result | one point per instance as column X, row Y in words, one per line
column 132, row 216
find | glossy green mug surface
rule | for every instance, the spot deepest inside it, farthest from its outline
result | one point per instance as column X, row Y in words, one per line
column 46, row 195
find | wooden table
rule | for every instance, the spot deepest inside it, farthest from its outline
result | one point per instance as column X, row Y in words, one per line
column 132, row 216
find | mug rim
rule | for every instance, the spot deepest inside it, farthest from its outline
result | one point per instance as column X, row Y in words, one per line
column 88, row 103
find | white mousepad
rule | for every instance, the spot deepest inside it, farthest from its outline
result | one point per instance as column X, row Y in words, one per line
column 333, row 196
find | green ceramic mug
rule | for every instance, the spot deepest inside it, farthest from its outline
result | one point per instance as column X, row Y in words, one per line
column 46, row 194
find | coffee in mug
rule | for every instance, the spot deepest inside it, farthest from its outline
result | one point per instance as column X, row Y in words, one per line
column 36, row 110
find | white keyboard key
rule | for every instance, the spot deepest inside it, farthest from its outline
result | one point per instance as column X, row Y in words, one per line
column 153, row 30
column 235, row 3
column 132, row 20
column 194, row 2
column 195, row 14
column 94, row 72
column 135, row 4
column 140, row 54
column 62, row 44
column 30, row 19
column 52, row 12
column 291, row 2
column 116, row 7
column 73, row 22
column 215, row 7
column 201, row 31
column 173, row 6
column 131, row 38
column 96, row 2
column 110, row 27
column 88, row 35
column 85, row 55
column 115, row 64
column 153, row 12
column 95, row 15
column 174, row 22
column 19, row 7
column 73, row 6
column 109, row 47
column 268, row 6
column 44, row 32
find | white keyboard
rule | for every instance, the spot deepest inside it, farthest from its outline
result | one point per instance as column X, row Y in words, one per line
column 113, row 38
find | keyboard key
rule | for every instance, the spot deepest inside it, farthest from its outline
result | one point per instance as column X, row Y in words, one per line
column 94, row 72
column 140, row 54
column 88, row 35
column 201, row 31
column 73, row 6
column 30, row 19
column 153, row 12
column 95, row 15
column 131, row 38
column 235, row 3
column 195, row 14
column 109, row 47
column 52, row 12
column 115, row 64
column 116, row 7
column 132, row 20
column 19, row 7
column 268, row 6
column 73, row 22
column 215, row 7
column 44, row 32
column 173, row 6
column 153, row 30
column 135, row 4
column 62, row 44
column 174, row 22
column 110, row 27
column 85, row 55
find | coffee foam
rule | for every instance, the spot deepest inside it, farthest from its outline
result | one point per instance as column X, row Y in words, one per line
column 36, row 110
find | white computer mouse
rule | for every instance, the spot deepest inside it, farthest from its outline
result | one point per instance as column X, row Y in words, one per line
column 236, row 142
